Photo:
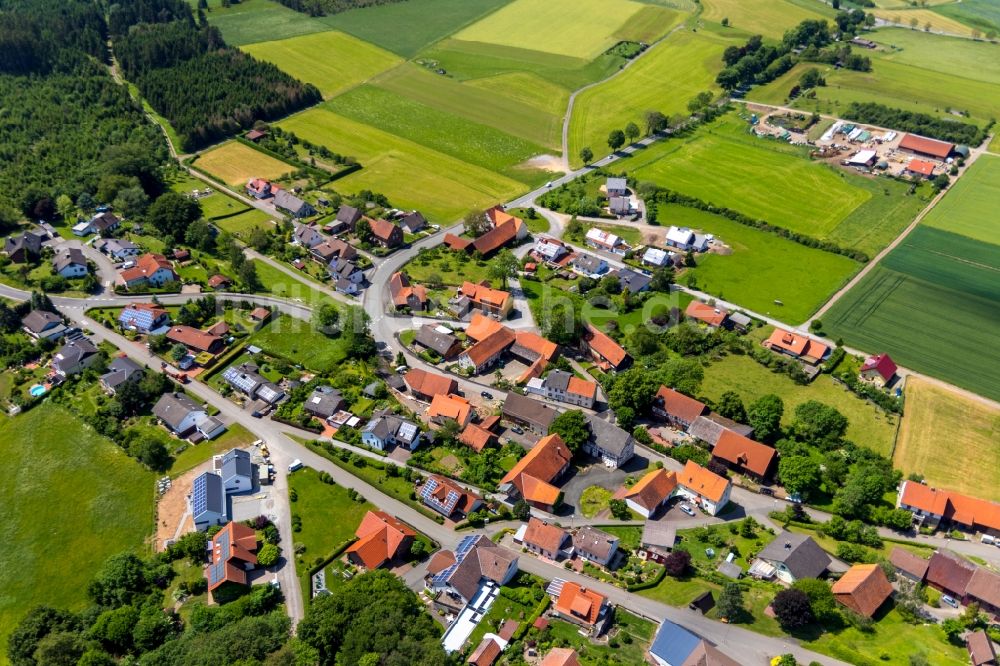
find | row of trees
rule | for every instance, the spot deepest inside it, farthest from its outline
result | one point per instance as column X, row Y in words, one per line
column 918, row 123
column 324, row 7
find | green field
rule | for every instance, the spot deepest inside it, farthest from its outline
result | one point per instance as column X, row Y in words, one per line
column 244, row 222
column 892, row 83
column 920, row 18
column 956, row 57
column 235, row 163
column 648, row 24
column 407, row 27
column 441, row 131
column 724, row 164
column 763, row 267
column 933, row 304
column 331, row 61
column 970, row 208
column 411, row 175
column 529, row 24
column 68, row 494
column 770, row 18
column 520, row 104
column 664, row 79
column 869, row 427
column 984, row 15
column 299, row 342
column 260, row 20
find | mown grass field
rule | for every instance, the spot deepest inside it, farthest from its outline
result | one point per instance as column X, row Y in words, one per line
column 332, row 61
column 970, row 208
column 664, row 79
column 724, row 164
column 924, row 17
column 260, row 20
column 770, row 18
column 649, row 24
column 442, row 131
column 933, row 305
column 411, row 175
column 972, row 464
column 241, row 224
column 68, row 495
column 891, row 83
column 519, row 104
column 875, row 223
column 530, row 24
column 869, row 427
column 235, row 163
column 763, row 267
column 407, row 27
column 981, row 14
column 954, row 56
column 299, row 342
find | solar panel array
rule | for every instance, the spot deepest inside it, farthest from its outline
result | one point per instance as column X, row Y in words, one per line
column 407, row 431
column 464, row 546
column 451, row 499
column 199, row 495
column 240, row 380
column 217, row 570
column 140, row 319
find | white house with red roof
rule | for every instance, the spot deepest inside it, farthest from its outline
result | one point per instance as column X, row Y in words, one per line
column 878, row 370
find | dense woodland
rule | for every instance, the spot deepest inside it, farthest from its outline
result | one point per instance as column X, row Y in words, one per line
column 206, row 90
column 324, row 7
column 65, row 125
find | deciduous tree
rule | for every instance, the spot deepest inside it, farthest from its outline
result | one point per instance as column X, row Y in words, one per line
column 572, row 427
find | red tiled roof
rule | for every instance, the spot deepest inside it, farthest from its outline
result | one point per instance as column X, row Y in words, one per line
column 242, row 542
column 880, row 363
column 949, row 572
column 446, row 486
column 863, row 589
column 699, row 480
column 984, row 586
column 544, row 536
column 486, row 349
column 192, row 337
column 532, row 475
column 508, row 629
column 401, row 290
column 146, row 266
column 260, row 314
column 923, row 144
column 582, row 387
column 483, row 294
column 679, row 406
column 561, row 657
column 218, row 281
column 743, row 451
column 382, row 229
column 440, row 561
column 545, row 348
column 969, row 511
column 607, row 348
column 481, row 327
column 980, row 647
column 486, row 653
column 580, row 603
column 475, row 437
column 456, row 242
column 797, row 345
column 379, row 539
column 653, row 489
column 448, row 406
column 504, row 232
column 709, row 314
column 429, row 383
column 921, row 167
column 909, row 563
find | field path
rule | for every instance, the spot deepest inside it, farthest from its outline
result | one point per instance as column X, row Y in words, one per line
column 572, row 98
column 973, row 156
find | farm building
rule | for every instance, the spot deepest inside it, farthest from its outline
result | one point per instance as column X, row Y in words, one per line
column 863, row 589
column 862, row 158
column 797, row 346
column 616, row 187
column 922, row 145
column 742, row 454
column 920, row 169
column 933, row 507
column 533, row 476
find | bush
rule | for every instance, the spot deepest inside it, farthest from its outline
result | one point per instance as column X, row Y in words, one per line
column 677, row 563
column 268, row 555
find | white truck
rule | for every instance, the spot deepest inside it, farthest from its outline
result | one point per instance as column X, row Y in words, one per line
column 294, row 465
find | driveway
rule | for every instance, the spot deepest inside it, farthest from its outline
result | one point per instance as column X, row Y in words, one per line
column 597, row 474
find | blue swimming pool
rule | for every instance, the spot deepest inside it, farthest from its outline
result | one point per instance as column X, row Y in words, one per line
column 37, row 390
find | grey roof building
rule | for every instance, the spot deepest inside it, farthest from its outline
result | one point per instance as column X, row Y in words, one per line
column 237, row 471
column 70, row 262
column 592, row 544
column 795, row 556
column 21, row 247
column 307, row 236
column 589, row 264
column 632, row 281
column 247, row 380
column 616, row 185
column 177, row 411
column 620, row 206
column 43, row 324
column 386, row 430
column 443, row 344
column 608, row 442
column 348, row 215
column 293, row 205
column 534, row 415
column 208, row 501
column 121, row 371
column 709, row 428
column 324, row 402
column 413, row 222
column 75, row 356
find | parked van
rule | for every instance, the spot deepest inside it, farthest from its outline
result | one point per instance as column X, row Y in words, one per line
column 295, row 464
column 988, row 539
column 949, row 600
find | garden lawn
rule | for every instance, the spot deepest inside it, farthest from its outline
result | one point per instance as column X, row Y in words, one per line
column 241, row 224
column 332, row 61
column 442, row 131
column 724, row 164
column 278, row 283
column 868, row 427
column 770, row 18
column 235, row 163
column 664, row 79
column 593, row 654
column 453, row 268
column 892, row 83
column 970, row 207
column 70, row 492
column 520, row 104
column 892, row 641
column 972, row 465
column 594, row 500
column 586, row 28
column 299, row 342
column 932, row 304
column 407, row 27
column 251, row 21
column 236, row 436
column 762, row 268
column 411, row 175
